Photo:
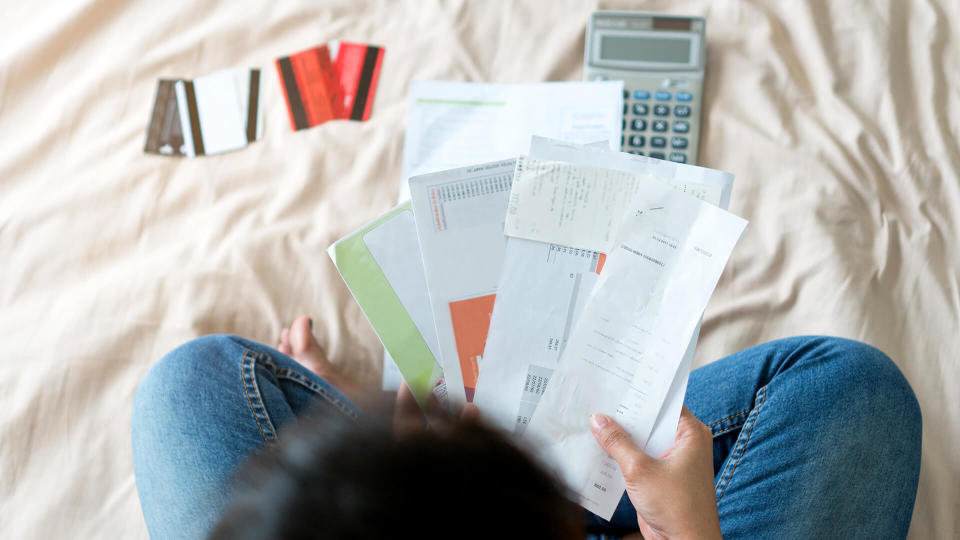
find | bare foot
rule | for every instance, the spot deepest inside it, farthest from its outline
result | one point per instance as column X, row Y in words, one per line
column 298, row 343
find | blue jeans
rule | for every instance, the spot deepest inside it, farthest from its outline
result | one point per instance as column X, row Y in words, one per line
column 814, row 437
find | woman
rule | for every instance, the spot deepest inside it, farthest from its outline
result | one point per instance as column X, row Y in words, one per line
column 805, row 437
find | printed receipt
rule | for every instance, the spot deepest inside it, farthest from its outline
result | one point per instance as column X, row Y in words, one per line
column 623, row 353
column 544, row 287
column 686, row 178
column 542, row 291
column 579, row 206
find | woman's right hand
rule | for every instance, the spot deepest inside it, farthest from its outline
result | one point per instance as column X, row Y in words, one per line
column 673, row 494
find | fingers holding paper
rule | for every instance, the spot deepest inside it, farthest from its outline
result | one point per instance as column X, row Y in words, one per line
column 408, row 416
column 673, row 494
column 406, row 412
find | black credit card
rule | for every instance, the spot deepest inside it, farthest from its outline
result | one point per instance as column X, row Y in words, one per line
column 163, row 135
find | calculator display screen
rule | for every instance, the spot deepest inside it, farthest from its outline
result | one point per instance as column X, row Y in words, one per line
column 646, row 49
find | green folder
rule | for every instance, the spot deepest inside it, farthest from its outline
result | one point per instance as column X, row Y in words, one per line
column 382, row 267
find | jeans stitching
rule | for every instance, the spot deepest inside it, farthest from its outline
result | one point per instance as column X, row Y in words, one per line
column 728, row 429
column 247, row 373
column 729, row 417
column 292, row 375
column 743, row 447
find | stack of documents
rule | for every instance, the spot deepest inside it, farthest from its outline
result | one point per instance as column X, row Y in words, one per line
column 565, row 280
column 454, row 124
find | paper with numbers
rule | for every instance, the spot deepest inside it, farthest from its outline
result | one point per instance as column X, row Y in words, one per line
column 541, row 293
column 543, row 289
column 577, row 206
column 678, row 174
column 625, row 349
column 459, row 215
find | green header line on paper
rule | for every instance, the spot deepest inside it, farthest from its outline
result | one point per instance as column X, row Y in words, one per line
column 460, row 102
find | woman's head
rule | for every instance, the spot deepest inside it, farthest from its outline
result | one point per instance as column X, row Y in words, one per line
column 333, row 478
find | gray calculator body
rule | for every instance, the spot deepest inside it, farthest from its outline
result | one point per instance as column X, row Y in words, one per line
column 661, row 61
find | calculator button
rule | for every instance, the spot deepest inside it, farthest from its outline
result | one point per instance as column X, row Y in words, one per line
column 682, row 111
column 624, row 128
column 661, row 110
column 638, row 124
column 640, row 109
column 684, row 96
column 621, row 140
column 641, row 94
column 662, row 96
column 660, row 125
column 636, row 152
column 657, row 155
column 637, row 140
column 658, row 142
column 625, row 109
column 680, row 143
column 681, row 126
column 678, row 157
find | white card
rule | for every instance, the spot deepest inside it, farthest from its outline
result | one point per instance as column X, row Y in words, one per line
column 215, row 111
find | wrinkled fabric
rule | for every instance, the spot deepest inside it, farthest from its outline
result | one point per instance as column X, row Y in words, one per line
column 839, row 120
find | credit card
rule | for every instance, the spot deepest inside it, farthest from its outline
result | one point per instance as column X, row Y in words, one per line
column 219, row 112
column 335, row 81
column 310, row 87
column 163, row 134
column 357, row 68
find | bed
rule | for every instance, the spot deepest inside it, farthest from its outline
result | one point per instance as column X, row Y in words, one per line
column 839, row 119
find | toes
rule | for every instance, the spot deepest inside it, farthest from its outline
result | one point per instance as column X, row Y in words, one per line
column 301, row 338
column 305, row 349
column 284, row 346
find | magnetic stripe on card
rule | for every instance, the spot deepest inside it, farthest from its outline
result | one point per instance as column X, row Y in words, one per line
column 298, row 118
column 253, row 105
column 194, row 115
column 365, row 84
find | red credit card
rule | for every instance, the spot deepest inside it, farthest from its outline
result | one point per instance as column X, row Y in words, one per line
column 310, row 86
column 357, row 67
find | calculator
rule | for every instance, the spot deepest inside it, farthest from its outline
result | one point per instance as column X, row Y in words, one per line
column 661, row 60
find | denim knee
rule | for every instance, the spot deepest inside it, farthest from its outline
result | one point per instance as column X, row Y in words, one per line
column 190, row 428
column 871, row 386
column 185, row 370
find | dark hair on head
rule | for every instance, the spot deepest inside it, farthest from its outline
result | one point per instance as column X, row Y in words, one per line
column 337, row 479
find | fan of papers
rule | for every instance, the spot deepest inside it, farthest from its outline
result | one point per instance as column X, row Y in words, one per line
column 552, row 282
